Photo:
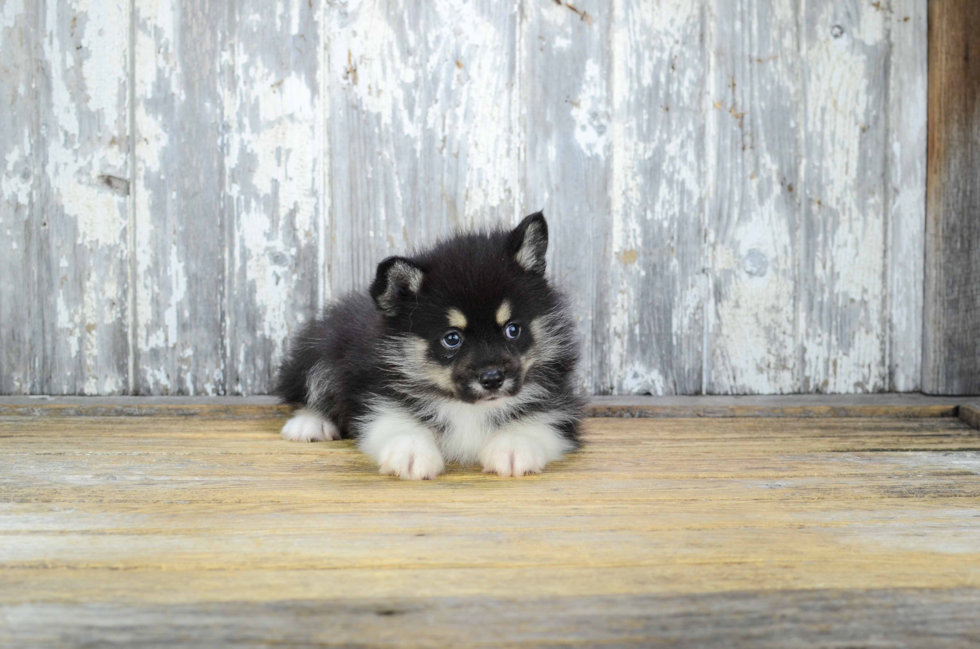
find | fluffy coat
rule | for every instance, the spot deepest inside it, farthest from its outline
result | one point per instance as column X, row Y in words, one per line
column 463, row 352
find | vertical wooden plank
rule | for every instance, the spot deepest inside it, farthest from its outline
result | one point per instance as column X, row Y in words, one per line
column 753, row 170
column 18, row 190
column 951, row 359
column 650, row 282
column 425, row 122
column 83, row 162
column 565, row 91
column 422, row 126
column 374, row 60
column 274, row 166
column 906, row 200
column 468, row 169
column 843, row 327
column 181, row 63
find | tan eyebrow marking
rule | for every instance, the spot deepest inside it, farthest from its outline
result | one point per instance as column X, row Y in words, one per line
column 503, row 313
column 456, row 318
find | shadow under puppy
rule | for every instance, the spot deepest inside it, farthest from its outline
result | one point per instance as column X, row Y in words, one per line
column 463, row 352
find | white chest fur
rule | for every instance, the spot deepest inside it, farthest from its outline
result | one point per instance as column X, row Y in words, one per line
column 466, row 428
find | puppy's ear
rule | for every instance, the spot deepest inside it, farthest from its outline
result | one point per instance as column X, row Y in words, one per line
column 528, row 242
column 398, row 279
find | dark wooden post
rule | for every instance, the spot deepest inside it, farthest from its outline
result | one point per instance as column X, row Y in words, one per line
column 951, row 336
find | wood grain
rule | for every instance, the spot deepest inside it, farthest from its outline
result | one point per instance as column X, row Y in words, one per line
column 842, row 233
column 181, row 72
column 565, row 88
column 769, row 619
column 753, row 223
column 275, row 194
column 907, row 23
column 951, row 352
column 423, row 127
column 650, row 288
column 83, row 202
column 906, row 406
column 201, row 528
column 735, row 189
column 970, row 413
column 21, row 334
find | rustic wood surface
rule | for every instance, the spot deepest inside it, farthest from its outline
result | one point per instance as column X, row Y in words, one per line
column 754, row 155
column 735, row 188
column 905, row 198
column 842, row 265
column 724, row 532
column 181, row 197
column 18, row 188
column 970, row 413
column 951, row 352
column 649, row 335
column 804, row 405
column 566, row 171
column 65, row 160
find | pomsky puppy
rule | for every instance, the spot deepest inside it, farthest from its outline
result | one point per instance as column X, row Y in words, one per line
column 462, row 352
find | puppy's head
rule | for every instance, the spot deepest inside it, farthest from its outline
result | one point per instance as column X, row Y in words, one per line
column 469, row 318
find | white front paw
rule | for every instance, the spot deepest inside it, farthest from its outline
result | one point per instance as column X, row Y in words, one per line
column 510, row 454
column 307, row 426
column 411, row 457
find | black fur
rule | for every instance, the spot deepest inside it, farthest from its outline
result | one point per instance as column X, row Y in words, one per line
column 356, row 353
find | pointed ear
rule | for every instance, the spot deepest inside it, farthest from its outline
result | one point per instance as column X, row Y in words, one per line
column 397, row 280
column 528, row 242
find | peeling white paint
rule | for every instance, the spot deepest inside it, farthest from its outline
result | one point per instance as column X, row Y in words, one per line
column 490, row 179
column 105, row 46
column 845, row 205
column 274, row 163
column 428, row 96
column 100, row 216
column 178, row 288
column 68, row 324
column 906, row 135
column 656, row 187
column 430, row 107
column 750, row 341
column 12, row 10
column 83, row 118
column 161, row 275
column 13, row 183
column 640, row 378
column 589, row 112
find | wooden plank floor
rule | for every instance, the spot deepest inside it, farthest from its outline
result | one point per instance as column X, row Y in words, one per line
column 747, row 532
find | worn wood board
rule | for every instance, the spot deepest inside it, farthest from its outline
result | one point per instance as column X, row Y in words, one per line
column 951, row 352
column 754, row 159
column 20, row 354
column 649, row 333
column 905, row 190
column 907, row 406
column 761, row 531
column 776, row 619
column 970, row 413
column 566, row 62
column 735, row 188
column 180, row 195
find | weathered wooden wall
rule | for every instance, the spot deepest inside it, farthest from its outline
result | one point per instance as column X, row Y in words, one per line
column 951, row 350
column 736, row 187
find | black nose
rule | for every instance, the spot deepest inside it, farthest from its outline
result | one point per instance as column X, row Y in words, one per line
column 492, row 379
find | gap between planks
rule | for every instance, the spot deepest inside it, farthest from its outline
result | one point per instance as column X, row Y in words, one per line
column 908, row 405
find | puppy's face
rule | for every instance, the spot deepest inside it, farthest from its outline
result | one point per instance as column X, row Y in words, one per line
column 464, row 322
column 482, row 352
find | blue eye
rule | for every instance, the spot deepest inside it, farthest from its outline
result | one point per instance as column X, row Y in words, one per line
column 452, row 340
column 512, row 330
